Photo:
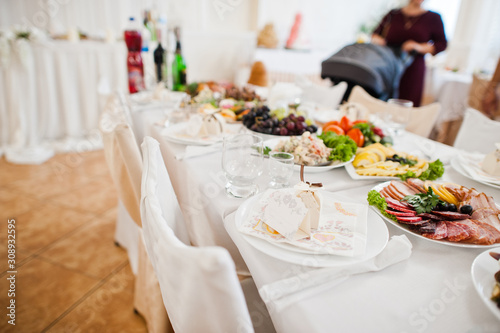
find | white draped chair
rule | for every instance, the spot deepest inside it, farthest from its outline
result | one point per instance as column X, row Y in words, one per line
column 199, row 285
column 324, row 96
column 125, row 164
column 422, row 119
column 478, row 133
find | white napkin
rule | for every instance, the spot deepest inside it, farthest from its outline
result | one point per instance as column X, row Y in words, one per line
column 283, row 293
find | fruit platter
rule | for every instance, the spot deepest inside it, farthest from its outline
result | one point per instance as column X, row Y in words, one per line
column 446, row 213
column 278, row 122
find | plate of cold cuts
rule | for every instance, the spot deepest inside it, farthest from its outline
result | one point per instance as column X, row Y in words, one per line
column 464, row 217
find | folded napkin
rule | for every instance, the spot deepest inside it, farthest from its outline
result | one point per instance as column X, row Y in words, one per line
column 195, row 151
column 471, row 163
column 283, row 293
column 312, row 220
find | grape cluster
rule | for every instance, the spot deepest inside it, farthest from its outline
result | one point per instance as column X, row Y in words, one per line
column 260, row 120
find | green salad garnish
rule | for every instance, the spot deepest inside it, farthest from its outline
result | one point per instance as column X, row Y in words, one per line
column 343, row 147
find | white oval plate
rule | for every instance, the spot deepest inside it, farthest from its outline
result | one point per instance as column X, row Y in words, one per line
column 406, row 228
column 456, row 164
column 377, row 238
column 310, row 168
column 483, row 270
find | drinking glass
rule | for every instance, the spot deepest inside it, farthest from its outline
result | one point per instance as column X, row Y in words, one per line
column 280, row 169
column 398, row 115
column 242, row 159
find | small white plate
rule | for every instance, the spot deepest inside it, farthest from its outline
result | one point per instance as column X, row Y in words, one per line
column 406, row 228
column 377, row 238
column 352, row 173
column 483, row 270
column 310, row 168
column 456, row 163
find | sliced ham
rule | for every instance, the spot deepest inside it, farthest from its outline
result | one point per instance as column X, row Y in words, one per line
column 495, row 234
column 478, row 234
column 394, row 193
column 417, row 184
column 441, row 232
column 399, row 203
column 492, row 220
column 404, row 188
column 456, row 232
column 483, row 212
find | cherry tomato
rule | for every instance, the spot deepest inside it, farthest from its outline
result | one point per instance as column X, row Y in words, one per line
column 345, row 123
column 359, row 122
column 357, row 136
column 333, row 128
column 333, row 122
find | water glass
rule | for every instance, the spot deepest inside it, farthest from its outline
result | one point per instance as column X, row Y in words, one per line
column 398, row 115
column 242, row 159
column 280, row 169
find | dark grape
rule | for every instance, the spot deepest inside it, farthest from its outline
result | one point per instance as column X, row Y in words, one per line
column 290, row 126
column 292, row 117
column 283, row 131
column 466, row 209
column 276, row 131
column 254, row 127
column 314, row 128
column 301, row 119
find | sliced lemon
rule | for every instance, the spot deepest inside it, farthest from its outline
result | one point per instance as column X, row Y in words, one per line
column 364, row 159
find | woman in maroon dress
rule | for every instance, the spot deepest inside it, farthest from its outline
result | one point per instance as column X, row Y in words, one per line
column 413, row 29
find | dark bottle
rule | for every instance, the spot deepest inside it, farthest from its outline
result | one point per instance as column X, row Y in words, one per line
column 159, row 56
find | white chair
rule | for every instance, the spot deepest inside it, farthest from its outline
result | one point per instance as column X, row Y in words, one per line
column 125, row 163
column 199, row 285
column 422, row 119
column 328, row 97
column 478, row 133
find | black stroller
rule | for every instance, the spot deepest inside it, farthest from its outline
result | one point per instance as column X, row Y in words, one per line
column 376, row 68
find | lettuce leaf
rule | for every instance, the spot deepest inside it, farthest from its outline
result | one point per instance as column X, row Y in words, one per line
column 435, row 171
column 375, row 199
column 343, row 147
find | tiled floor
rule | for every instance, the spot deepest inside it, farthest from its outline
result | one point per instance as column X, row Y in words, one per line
column 70, row 275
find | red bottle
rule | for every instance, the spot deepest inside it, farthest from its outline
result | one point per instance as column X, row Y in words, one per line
column 135, row 67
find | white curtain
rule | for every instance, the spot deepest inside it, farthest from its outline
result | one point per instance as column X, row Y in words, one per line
column 476, row 42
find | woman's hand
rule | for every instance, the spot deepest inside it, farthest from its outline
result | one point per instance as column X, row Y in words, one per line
column 422, row 48
column 378, row 40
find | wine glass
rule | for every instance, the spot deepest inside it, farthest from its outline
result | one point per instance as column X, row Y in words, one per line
column 242, row 159
column 398, row 115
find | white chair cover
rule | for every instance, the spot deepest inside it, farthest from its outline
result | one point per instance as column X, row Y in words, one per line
column 422, row 119
column 328, row 97
column 200, row 288
column 478, row 133
column 125, row 164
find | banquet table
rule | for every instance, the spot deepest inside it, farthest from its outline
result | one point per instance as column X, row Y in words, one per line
column 431, row 291
column 51, row 98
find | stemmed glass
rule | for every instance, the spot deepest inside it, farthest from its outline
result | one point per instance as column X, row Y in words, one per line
column 398, row 115
column 242, row 159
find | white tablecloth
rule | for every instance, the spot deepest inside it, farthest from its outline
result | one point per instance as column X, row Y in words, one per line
column 53, row 104
column 432, row 291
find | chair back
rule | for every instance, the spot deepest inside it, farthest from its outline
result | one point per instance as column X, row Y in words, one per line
column 422, row 119
column 478, row 133
column 329, row 97
column 199, row 285
column 123, row 157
